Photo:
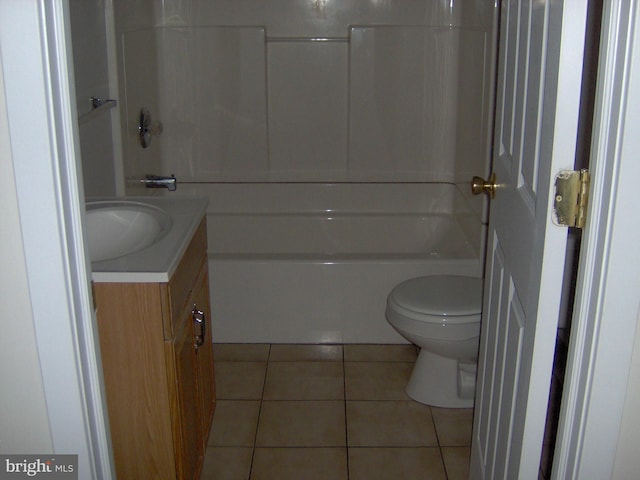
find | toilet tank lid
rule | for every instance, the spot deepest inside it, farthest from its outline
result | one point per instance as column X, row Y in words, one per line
column 440, row 295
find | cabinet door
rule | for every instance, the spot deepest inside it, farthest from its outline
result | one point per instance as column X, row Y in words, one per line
column 204, row 353
column 189, row 451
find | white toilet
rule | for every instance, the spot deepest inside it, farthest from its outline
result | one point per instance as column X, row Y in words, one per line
column 441, row 315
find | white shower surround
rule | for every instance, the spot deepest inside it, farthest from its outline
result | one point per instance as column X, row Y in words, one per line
column 332, row 140
column 306, row 91
column 314, row 263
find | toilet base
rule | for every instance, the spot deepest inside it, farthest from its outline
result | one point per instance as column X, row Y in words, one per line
column 436, row 380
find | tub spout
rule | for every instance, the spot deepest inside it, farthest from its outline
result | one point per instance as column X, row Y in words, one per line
column 157, row 181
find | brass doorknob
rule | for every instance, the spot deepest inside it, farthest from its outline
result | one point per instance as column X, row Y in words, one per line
column 480, row 185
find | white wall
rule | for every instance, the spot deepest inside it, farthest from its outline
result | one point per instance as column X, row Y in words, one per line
column 89, row 39
column 24, row 423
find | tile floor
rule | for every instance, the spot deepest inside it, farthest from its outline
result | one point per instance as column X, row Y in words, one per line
column 308, row 412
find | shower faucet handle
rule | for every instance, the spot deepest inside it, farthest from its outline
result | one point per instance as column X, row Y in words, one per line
column 157, row 181
column 147, row 128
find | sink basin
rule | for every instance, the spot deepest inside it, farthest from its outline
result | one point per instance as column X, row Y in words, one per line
column 118, row 228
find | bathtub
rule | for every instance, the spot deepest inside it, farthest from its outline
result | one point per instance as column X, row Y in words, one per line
column 314, row 263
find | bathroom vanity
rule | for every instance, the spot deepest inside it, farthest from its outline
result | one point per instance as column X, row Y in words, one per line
column 156, row 349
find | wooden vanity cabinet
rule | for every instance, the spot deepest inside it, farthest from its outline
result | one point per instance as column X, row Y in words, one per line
column 157, row 360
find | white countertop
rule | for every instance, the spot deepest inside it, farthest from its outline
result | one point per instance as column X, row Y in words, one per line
column 158, row 262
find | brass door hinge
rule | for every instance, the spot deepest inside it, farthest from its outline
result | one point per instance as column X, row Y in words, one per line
column 571, row 198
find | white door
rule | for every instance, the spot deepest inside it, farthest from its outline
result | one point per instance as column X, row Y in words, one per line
column 537, row 103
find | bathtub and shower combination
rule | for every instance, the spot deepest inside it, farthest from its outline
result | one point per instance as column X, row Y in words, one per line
column 314, row 263
column 334, row 143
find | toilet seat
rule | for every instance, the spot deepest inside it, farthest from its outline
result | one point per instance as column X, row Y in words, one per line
column 451, row 296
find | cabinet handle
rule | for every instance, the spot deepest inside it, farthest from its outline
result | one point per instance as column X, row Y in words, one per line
column 200, row 320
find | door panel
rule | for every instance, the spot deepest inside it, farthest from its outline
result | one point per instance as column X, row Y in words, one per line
column 537, row 106
column 502, row 361
column 488, row 354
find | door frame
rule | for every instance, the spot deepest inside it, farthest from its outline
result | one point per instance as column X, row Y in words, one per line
column 607, row 296
column 35, row 48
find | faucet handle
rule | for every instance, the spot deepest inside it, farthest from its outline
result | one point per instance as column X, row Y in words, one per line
column 147, row 128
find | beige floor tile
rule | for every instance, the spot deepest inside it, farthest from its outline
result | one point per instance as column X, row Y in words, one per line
column 235, row 423
column 390, row 424
column 456, row 462
column 453, row 426
column 241, row 352
column 299, row 464
column 299, row 427
column 304, row 381
column 239, row 380
column 317, row 353
column 423, row 463
column 377, row 380
column 380, row 353
column 301, row 424
column 224, row 463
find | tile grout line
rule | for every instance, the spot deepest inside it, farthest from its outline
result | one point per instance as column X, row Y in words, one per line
column 435, row 429
column 444, row 465
column 255, row 436
column 346, row 420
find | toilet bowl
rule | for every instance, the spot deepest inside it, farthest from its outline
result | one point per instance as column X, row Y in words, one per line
column 441, row 315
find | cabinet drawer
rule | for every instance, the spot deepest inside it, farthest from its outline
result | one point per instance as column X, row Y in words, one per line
column 182, row 281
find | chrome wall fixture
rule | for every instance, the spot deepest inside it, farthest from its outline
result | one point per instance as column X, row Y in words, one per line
column 97, row 106
column 158, row 181
column 147, row 128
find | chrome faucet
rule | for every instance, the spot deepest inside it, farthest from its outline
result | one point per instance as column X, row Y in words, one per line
column 156, row 181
